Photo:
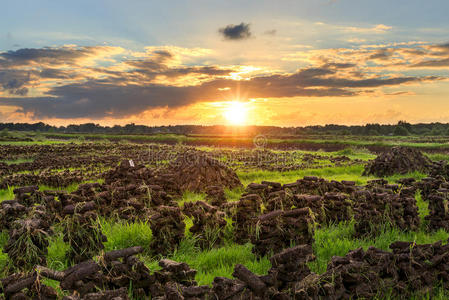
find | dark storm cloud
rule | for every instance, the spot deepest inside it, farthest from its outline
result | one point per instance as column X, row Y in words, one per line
column 236, row 32
column 28, row 56
column 157, row 66
column 14, row 81
column 339, row 65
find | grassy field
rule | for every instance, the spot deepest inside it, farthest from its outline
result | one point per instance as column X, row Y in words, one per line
column 429, row 143
column 330, row 240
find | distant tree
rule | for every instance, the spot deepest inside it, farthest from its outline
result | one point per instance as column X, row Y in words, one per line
column 406, row 125
column 400, row 131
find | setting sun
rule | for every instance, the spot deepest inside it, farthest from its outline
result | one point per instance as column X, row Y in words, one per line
column 236, row 113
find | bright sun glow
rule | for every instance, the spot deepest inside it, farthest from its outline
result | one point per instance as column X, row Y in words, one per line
column 235, row 113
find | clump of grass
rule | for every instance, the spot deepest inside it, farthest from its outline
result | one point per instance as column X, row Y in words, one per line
column 7, row 194
column 216, row 262
column 57, row 251
column 188, row 196
column 83, row 234
column 234, row 194
column 123, row 235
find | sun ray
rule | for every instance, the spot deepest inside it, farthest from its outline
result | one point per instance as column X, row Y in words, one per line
column 236, row 113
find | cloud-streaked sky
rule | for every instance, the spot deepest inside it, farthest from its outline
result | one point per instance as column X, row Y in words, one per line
column 184, row 62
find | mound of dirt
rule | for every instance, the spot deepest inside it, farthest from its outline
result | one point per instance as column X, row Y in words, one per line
column 398, row 160
column 195, row 172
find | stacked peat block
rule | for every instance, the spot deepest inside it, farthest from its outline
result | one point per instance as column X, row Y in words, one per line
column 409, row 269
column 312, row 185
column 130, row 191
column 208, row 223
column 288, row 267
column 314, row 202
column 405, row 213
column 336, row 207
column 195, row 171
column 357, row 275
column 368, row 212
column 397, row 160
column 167, row 225
column 282, row 199
column 215, row 195
column 132, row 202
column 345, row 186
column 435, row 191
column 26, row 195
column 29, row 196
column 108, row 279
column 247, row 285
column 428, row 186
column 82, row 231
column 28, row 240
column 439, row 168
column 422, row 266
column 10, row 211
column 177, row 281
column 26, row 286
column 438, row 212
column 406, row 182
column 279, row 229
column 371, row 210
column 263, row 189
column 247, row 210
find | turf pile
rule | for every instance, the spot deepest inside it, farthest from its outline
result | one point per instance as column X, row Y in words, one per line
column 397, row 160
column 194, row 171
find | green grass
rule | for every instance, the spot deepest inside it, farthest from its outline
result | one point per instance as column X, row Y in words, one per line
column 329, row 240
column 438, row 156
column 121, row 234
column 17, row 161
column 216, row 262
column 331, row 173
column 191, row 197
column 7, row 194
column 57, row 249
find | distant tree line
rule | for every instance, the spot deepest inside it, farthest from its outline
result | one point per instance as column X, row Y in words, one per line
column 402, row 128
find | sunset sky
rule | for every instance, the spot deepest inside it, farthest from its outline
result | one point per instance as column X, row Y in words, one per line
column 280, row 62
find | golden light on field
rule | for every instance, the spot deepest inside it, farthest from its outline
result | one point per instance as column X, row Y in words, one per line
column 236, row 113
